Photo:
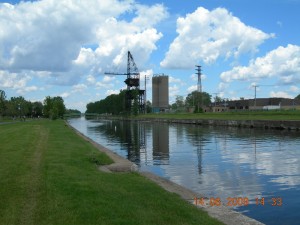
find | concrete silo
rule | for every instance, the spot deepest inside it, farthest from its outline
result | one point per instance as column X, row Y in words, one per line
column 160, row 93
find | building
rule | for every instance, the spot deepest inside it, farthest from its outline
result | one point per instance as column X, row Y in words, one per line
column 256, row 104
column 160, row 93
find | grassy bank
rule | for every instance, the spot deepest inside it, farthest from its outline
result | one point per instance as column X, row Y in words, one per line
column 242, row 115
column 48, row 175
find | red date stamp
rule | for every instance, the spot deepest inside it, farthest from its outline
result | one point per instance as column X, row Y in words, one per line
column 238, row 201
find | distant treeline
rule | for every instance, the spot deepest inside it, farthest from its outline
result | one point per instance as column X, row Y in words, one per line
column 112, row 104
column 52, row 107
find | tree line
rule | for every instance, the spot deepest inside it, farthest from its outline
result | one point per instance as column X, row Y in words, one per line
column 52, row 107
column 115, row 104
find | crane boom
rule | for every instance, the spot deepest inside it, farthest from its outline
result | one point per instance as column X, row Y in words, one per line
column 133, row 83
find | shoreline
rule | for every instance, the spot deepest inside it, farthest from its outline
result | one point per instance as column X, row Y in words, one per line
column 290, row 125
column 222, row 213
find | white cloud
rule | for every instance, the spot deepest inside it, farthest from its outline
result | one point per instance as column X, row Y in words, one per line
column 222, row 86
column 194, row 77
column 65, row 94
column 192, row 88
column 208, row 35
column 283, row 62
column 102, row 85
column 27, row 89
column 174, row 80
column 110, row 92
column 79, row 88
column 294, row 89
column 173, row 91
column 280, row 94
column 91, row 79
column 51, row 37
column 149, row 16
column 108, row 79
column 13, row 80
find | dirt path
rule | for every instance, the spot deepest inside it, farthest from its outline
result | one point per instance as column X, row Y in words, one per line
column 35, row 174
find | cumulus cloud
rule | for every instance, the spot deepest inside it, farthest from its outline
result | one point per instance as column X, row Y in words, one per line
column 280, row 94
column 192, row 88
column 110, row 92
column 79, row 88
column 53, row 36
column 283, row 63
column 13, row 80
column 208, row 35
column 294, row 89
column 174, row 80
column 173, row 91
column 108, row 79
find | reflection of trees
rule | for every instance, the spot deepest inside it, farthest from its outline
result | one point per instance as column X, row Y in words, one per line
column 130, row 135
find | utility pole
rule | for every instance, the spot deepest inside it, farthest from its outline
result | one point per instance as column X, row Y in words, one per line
column 255, row 86
column 145, row 99
column 199, row 86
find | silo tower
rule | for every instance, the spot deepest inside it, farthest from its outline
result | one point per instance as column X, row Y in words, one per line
column 160, row 93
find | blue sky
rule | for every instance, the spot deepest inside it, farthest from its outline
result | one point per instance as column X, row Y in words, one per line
column 63, row 47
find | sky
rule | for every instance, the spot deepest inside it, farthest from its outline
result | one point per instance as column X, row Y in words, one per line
column 64, row 47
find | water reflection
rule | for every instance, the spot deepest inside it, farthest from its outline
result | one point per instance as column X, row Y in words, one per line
column 160, row 137
column 216, row 162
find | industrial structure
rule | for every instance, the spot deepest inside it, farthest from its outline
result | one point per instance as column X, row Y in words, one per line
column 255, row 104
column 133, row 92
column 160, row 93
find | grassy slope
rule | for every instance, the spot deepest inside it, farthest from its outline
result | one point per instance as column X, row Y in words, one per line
column 47, row 176
column 247, row 115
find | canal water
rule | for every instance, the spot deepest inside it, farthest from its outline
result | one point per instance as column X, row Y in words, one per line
column 255, row 171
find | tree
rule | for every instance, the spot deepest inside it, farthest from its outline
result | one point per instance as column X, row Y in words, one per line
column 18, row 106
column 148, row 107
column 298, row 97
column 37, row 109
column 196, row 98
column 218, row 99
column 112, row 104
column 2, row 102
column 54, row 107
column 179, row 103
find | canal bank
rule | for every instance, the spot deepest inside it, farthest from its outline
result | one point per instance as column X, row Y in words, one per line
column 220, row 212
column 293, row 125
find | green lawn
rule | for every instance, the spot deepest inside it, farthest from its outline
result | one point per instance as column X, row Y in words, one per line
column 48, row 176
column 243, row 115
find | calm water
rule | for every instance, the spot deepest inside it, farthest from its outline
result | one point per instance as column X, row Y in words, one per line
column 214, row 161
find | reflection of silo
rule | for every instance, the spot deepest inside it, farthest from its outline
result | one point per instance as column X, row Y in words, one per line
column 160, row 136
column 160, row 93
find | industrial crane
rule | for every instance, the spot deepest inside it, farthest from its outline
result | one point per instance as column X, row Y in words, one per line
column 133, row 83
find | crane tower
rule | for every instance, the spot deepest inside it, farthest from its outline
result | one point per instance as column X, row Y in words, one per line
column 133, row 92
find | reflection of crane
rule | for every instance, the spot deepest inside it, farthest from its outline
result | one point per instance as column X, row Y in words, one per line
column 133, row 83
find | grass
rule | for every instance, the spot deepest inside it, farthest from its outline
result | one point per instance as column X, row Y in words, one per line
column 242, row 115
column 49, row 175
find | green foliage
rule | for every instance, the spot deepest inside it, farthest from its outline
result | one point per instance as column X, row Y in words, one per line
column 148, row 107
column 179, row 104
column 298, row 97
column 2, row 102
column 54, row 107
column 112, row 104
column 196, row 98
